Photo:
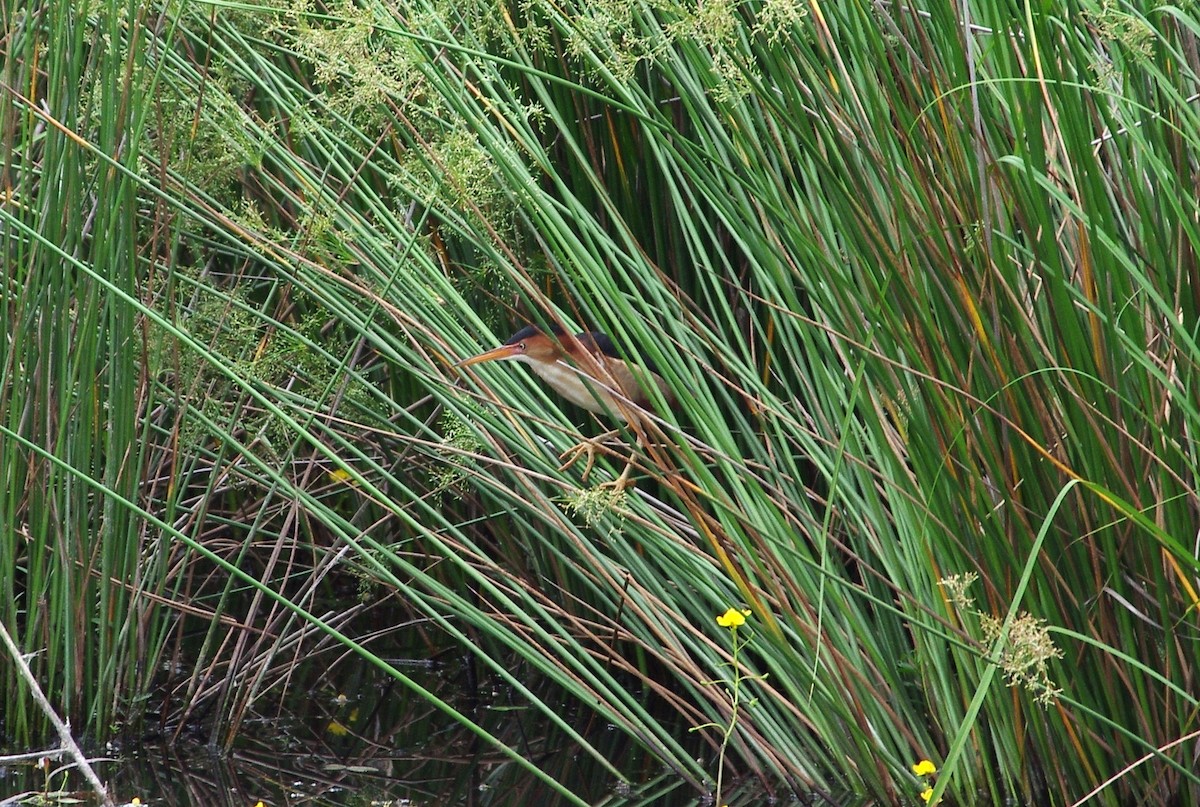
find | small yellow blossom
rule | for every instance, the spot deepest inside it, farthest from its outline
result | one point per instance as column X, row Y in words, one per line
column 733, row 618
column 924, row 768
column 339, row 475
column 927, row 794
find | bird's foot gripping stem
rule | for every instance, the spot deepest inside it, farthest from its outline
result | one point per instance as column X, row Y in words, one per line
column 588, row 447
column 622, row 482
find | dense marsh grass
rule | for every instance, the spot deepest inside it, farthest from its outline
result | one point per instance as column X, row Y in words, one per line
column 921, row 279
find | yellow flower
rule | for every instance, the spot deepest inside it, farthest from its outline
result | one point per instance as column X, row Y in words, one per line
column 924, row 768
column 927, row 794
column 732, row 618
column 340, row 475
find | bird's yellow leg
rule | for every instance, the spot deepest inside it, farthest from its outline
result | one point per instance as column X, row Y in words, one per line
column 623, row 481
column 572, row 454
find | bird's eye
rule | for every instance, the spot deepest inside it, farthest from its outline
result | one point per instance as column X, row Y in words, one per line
column 521, row 347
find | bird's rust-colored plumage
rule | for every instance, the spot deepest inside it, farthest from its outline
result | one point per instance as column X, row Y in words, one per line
column 586, row 369
column 589, row 371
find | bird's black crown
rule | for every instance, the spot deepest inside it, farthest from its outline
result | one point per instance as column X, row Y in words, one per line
column 532, row 330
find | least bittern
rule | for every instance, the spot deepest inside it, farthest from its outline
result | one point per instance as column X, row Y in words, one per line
column 589, row 371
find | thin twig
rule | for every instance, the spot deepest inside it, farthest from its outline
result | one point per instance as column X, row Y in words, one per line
column 63, row 729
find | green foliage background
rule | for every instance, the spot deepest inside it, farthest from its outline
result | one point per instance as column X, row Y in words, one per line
column 920, row 276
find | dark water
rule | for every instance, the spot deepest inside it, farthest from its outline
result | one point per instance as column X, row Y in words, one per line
column 364, row 740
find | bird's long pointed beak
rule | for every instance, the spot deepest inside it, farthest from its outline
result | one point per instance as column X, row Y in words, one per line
column 495, row 354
